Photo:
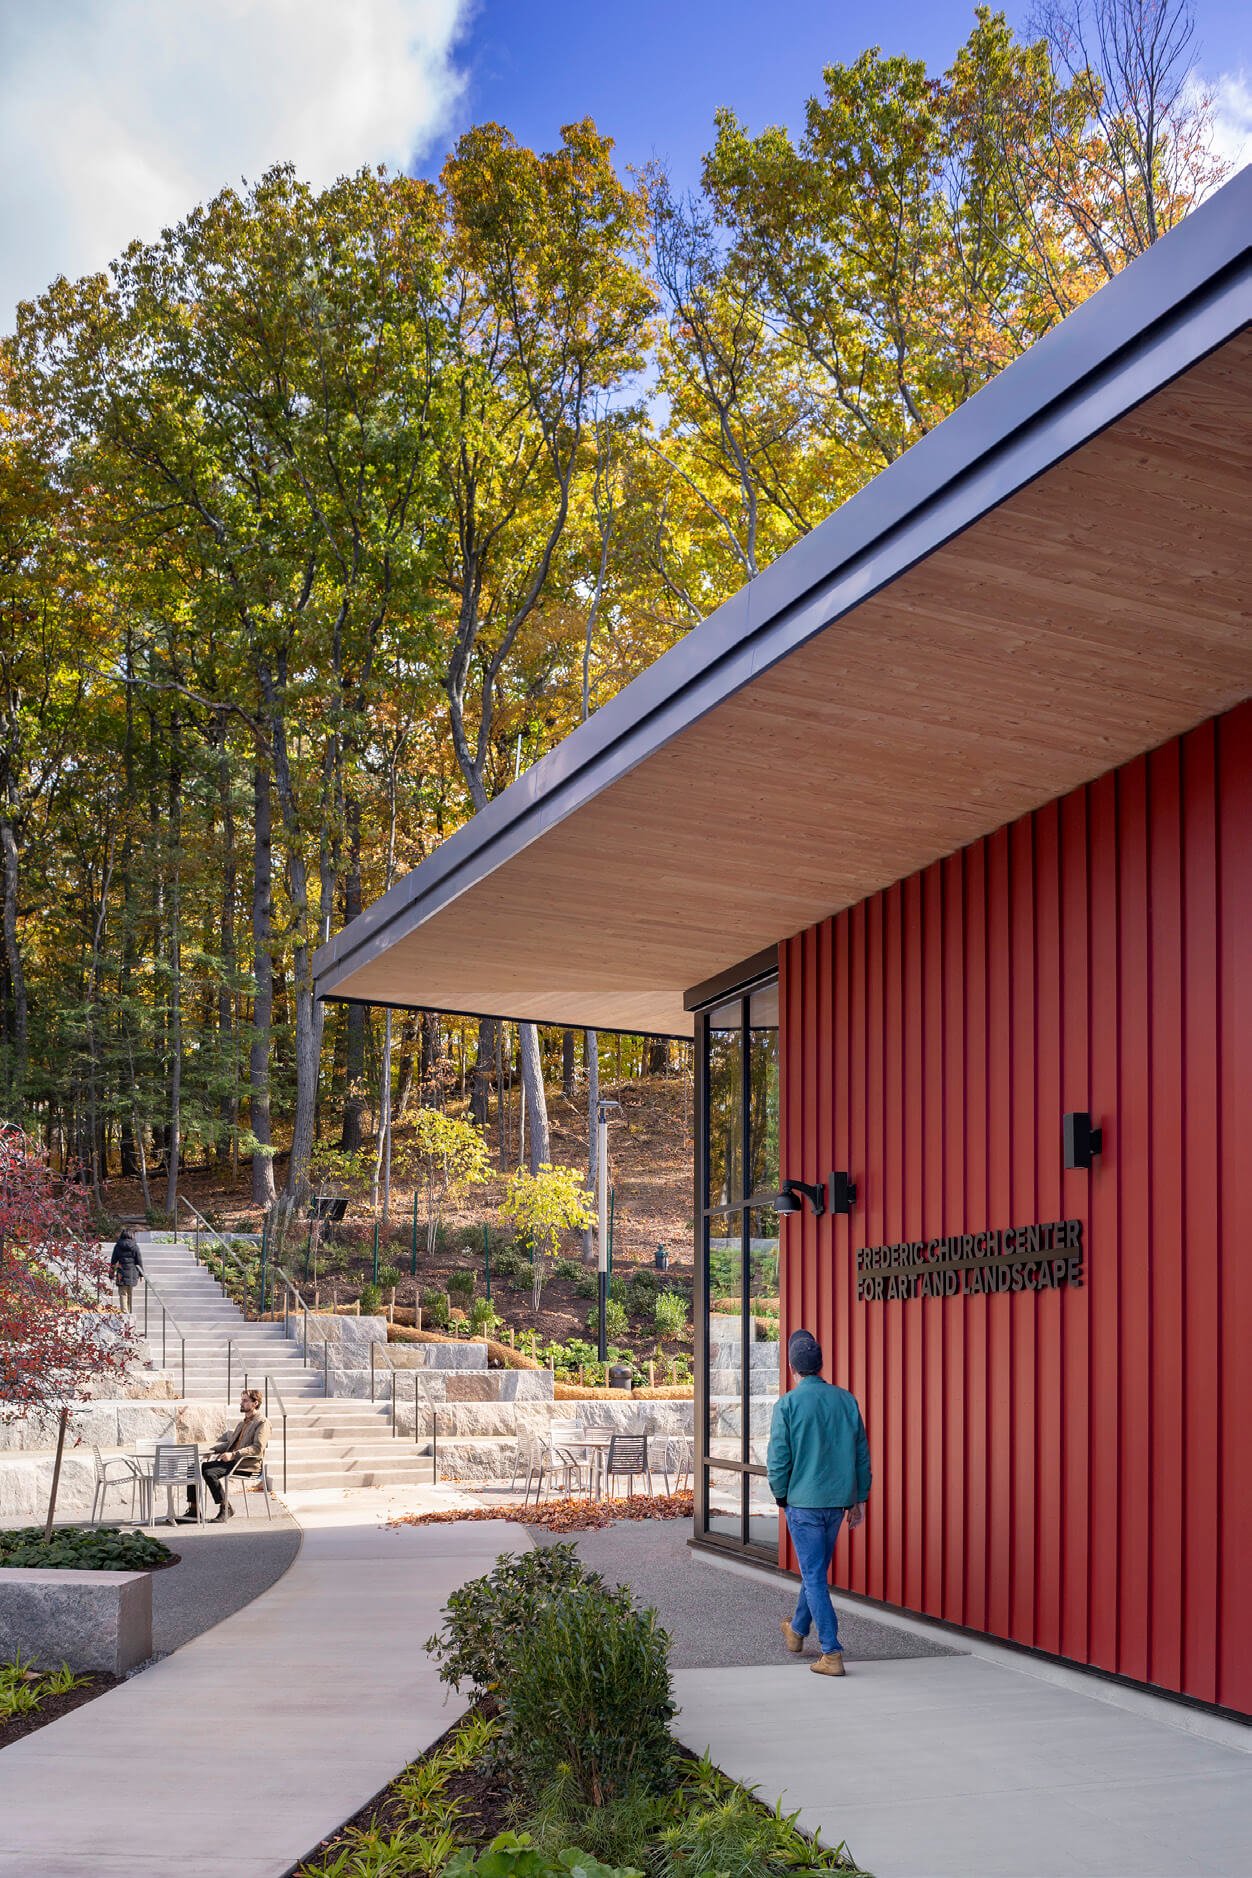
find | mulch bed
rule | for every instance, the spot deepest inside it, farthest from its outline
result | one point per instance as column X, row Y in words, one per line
column 565, row 1515
column 54, row 1706
column 484, row 1795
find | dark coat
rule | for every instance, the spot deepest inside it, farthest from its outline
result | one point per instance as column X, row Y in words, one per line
column 127, row 1261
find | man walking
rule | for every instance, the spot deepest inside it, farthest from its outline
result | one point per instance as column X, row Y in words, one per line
column 818, row 1467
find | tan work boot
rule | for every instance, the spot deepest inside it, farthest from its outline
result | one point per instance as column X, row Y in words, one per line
column 830, row 1664
column 793, row 1642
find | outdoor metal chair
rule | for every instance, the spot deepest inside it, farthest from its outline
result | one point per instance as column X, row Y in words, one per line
column 243, row 1481
column 118, row 1472
column 627, row 1458
column 679, row 1459
column 177, row 1464
column 544, row 1459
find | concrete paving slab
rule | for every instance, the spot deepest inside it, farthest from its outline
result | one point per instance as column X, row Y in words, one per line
column 324, row 1675
column 959, row 1767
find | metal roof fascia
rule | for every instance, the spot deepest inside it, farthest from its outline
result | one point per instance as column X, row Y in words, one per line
column 1186, row 296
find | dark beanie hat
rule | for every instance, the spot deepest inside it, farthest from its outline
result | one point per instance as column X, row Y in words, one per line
column 804, row 1353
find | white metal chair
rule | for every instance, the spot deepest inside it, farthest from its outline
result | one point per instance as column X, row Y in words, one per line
column 544, row 1458
column 679, row 1459
column 177, row 1464
column 243, row 1481
column 116, row 1472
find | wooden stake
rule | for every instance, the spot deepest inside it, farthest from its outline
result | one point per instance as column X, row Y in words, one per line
column 652, row 1375
column 391, row 1308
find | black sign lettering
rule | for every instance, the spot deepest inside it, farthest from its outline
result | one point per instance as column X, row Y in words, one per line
column 1040, row 1256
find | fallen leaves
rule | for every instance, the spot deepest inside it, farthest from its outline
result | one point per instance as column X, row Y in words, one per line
column 565, row 1515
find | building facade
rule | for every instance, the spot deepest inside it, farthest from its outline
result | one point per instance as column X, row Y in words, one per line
column 1046, row 1357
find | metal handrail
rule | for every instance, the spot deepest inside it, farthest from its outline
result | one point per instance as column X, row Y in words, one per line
column 282, row 1409
column 166, row 1320
column 204, row 1226
column 268, row 1383
column 290, row 1289
column 419, row 1393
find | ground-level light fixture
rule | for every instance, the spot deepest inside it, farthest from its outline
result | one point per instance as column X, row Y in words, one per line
column 787, row 1199
column 842, row 1193
column 1082, row 1141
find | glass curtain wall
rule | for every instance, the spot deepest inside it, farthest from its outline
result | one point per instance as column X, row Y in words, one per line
column 737, row 1255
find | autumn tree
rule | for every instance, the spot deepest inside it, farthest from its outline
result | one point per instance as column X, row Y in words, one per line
column 548, row 305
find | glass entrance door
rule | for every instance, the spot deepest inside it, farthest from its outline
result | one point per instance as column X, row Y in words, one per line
column 737, row 1265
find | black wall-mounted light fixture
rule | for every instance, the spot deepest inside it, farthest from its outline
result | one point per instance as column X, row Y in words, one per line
column 842, row 1193
column 787, row 1199
column 1081, row 1139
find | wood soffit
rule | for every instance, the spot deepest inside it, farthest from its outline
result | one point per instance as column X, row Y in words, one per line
column 1089, row 617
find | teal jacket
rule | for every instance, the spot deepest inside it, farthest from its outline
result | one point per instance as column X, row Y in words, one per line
column 818, row 1448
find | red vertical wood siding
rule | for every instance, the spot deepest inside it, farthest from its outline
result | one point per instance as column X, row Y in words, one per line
column 1069, row 1469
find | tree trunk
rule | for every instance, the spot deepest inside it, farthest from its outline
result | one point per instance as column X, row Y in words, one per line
column 538, row 1144
column 229, row 1111
column 655, row 1056
column 484, row 1069
column 432, row 1061
column 263, row 996
column 353, row 1130
column 405, row 1063
column 176, row 977
column 567, row 1065
column 13, row 965
column 62, row 1421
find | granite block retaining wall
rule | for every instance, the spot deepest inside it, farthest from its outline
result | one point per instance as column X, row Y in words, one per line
column 89, row 1620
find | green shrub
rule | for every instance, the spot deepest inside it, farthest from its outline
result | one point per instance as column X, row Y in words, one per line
column 435, row 1310
column 510, row 1262
column 589, row 1692
column 514, row 1855
column 571, row 1269
column 487, row 1616
column 587, row 1285
column 462, row 1284
column 616, row 1322
column 82, row 1549
column 370, row 1300
column 482, row 1319
column 670, row 1314
column 388, row 1277
column 641, row 1289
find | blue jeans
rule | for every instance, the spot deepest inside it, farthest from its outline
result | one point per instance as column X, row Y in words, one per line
column 814, row 1530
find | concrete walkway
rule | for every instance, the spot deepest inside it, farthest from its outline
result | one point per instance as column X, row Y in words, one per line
column 234, row 1756
column 976, row 1766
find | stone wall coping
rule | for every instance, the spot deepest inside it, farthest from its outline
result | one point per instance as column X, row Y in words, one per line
column 67, row 1575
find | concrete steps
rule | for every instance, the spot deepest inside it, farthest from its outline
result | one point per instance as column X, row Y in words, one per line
column 331, row 1442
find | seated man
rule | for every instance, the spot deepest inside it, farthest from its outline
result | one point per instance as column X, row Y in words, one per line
column 240, row 1452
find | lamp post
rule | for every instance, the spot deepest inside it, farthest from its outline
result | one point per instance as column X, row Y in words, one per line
column 602, row 1216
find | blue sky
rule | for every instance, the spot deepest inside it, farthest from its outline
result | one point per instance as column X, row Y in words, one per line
column 653, row 72
column 118, row 116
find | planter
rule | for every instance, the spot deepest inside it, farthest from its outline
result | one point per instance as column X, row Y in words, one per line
column 90, row 1620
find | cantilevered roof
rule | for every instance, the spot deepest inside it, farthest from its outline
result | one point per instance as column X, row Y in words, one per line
column 1052, row 582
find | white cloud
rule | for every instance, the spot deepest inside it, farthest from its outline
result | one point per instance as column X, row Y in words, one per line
column 1232, row 117
column 118, row 116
